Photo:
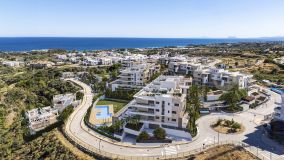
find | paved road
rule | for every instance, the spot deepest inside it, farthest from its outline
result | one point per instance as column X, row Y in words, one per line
column 76, row 128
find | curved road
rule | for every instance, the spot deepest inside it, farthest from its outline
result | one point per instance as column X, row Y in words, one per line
column 76, row 129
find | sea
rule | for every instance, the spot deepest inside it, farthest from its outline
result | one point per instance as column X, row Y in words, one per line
column 81, row 44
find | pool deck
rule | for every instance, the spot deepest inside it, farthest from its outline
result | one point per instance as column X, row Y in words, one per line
column 93, row 119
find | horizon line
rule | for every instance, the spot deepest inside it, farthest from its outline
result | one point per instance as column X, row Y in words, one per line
column 232, row 37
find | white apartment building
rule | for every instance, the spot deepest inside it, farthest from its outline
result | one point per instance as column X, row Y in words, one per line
column 90, row 61
column 132, row 60
column 161, row 103
column 279, row 111
column 183, row 67
column 135, row 77
column 220, row 78
column 40, row 118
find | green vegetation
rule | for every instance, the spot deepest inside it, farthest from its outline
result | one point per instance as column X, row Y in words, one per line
column 227, row 126
column 120, row 94
column 25, row 89
column 143, row 136
column 66, row 113
column 133, row 123
column 233, row 96
column 192, row 108
column 159, row 133
column 156, row 75
column 117, row 105
column 79, row 95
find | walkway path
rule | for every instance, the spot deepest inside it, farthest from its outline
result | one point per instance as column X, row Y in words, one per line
column 252, row 135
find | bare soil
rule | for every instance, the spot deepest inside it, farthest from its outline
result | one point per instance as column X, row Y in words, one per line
column 224, row 152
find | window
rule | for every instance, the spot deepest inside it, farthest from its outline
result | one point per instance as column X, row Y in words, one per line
column 174, row 112
column 174, row 120
column 168, row 119
column 176, row 105
column 157, row 117
column 168, row 103
column 168, row 111
column 157, row 102
column 157, row 110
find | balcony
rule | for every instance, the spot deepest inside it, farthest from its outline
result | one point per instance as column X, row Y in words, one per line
column 142, row 113
column 143, row 105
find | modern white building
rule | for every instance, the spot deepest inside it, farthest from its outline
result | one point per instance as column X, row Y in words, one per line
column 135, row 77
column 183, row 67
column 220, row 78
column 134, row 59
column 161, row 103
column 40, row 118
column 61, row 101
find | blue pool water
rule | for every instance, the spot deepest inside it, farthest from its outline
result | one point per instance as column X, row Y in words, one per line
column 277, row 90
column 104, row 112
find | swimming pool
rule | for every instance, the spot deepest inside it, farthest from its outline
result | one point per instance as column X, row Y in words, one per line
column 280, row 91
column 103, row 112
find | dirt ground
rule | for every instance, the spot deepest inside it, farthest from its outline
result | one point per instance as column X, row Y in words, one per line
column 224, row 152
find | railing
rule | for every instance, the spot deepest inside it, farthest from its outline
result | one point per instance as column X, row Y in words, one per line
column 107, row 155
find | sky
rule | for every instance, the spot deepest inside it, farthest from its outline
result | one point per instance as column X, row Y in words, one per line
column 142, row 18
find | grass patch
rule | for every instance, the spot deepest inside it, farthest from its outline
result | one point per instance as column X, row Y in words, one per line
column 117, row 105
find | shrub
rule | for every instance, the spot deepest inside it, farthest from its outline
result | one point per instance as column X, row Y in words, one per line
column 143, row 136
column 79, row 95
column 159, row 133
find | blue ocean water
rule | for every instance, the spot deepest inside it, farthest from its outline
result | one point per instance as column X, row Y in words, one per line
column 36, row 43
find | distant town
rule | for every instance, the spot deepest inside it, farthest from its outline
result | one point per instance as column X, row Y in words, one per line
column 153, row 103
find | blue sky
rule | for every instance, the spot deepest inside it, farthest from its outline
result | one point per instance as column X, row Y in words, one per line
column 142, row 18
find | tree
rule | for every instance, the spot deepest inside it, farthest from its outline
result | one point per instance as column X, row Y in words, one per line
column 194, row 93
column 65, row 113
column 143, row 136
column 118, row 125
column 79, row 95
column 114, row 74
column 233, row 96
column 159, row 133
column 193, row 107
column 205, row 90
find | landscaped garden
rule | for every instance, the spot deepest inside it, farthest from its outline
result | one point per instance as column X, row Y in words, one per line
column 117, row 104
column 227, row 126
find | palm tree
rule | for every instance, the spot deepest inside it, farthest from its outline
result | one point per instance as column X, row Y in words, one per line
column 194, row 93
column 233, row 96
column 192, row 119
column 205, row 91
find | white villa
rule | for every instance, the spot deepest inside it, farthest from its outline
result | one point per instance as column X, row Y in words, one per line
column 161, row 103
column 40, row 118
